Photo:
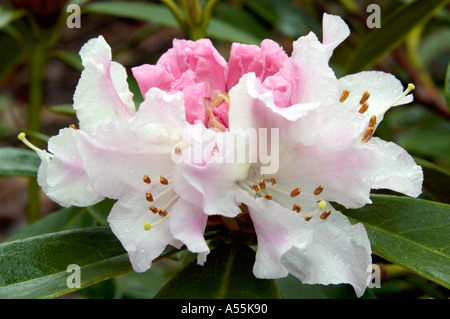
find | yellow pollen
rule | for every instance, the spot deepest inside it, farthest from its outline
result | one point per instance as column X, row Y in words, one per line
column 147, row 226
column 364, row 97
column 268, row 196
column 297, row 208
column 163, row 180
column 147, row 179
column 262, row 184
column 318, row 190
column 325, row 214
column 153, row 209
column 368, row 135
column 295, row 192
column 344, row 95
column 149, row 196
column 364, row 108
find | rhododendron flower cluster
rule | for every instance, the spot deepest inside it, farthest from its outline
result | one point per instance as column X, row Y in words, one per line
column 308, row 139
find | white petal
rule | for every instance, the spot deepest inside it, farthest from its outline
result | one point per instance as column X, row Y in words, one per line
column 127, row 219
column 396, row 169
column 123, row 151
column 338, row 253
column 335, row 31
column 278, row 229
column 102, row 92
column 187, row 224
column 384, row 89
column 62, row 177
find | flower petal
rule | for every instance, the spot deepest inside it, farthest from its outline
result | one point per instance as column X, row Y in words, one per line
column 102, row 92
column 384, row 89
column 338, row 253
column 126, row 149
column 187, row 224
column 62, row 177
column 278, row 230
column 127, row 219
column 396, row 169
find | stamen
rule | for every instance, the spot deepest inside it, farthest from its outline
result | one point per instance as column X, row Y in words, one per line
column 149, row 196
column 344, row 95
column 373, row 121
column 320, row 206
column 318, row 190
column 364, row 97
column 401, row 96
column 325, row 214
column 23, row 139
column 255, row 187
column 148, row 226
column 367, row 135
column 297, row 208
column 73, row 126
column 153, row 209
column 364, row 108
column 178, row 150
column 268, row 196
column 295, row 192
column 262, row 184
column 163, row 180
column 273, row 181
column 147, row 179
column 163, row 212
column 308, row 218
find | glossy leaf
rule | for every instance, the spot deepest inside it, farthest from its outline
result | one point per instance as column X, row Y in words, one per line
column 18, row 162
column 410, row 232
column 66, row 109
column 38, row 267
column 60, row 220
column 9, row 14
column 161, row 15
column 226, row 274
column 392, row 32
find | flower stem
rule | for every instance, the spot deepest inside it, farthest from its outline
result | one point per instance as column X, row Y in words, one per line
column 37, row 67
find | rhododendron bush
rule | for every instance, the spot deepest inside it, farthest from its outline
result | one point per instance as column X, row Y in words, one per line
column 252, row 169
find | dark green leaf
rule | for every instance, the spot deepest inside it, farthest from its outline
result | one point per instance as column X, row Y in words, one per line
column 161, row 15
column 60, row 220
column 37, row 267
column 392, row 32
column 9, row 14
column 410, row 232
column 66, row 109
column 18, row 162
column 72, row 59
column 226, row 274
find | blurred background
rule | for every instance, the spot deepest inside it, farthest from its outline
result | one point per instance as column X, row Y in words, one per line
column 40, row 68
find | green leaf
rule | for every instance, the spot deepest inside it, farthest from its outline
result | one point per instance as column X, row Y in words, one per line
column 60, row 220
column 37, row 267
column 447, row 86
column 72, row 59
column 8, row 15
column 392, row 32
column 161, row 15
column 410, row 232
column 227, row 274
column 65, row 109
column 18, row 162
